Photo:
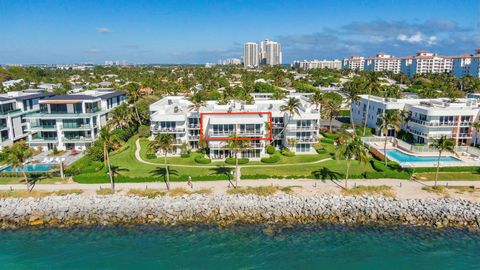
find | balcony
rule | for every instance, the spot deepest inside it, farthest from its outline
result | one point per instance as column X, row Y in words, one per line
column 306, row 139
column 11, row 112
column 305, row 128
column 193, row 137
column 441, row 124
column 168, row 130
column 43, row 140
column 250, row 133
column 77, row 127
column 61, row 115
column 42, row 127
column 194, row 126
column 77, row 139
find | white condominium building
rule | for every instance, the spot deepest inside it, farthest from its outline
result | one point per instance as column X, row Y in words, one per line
column 71, row 121
column 354, row 63
column 383, row 62
column 14, row 106
column 251, row 55
column 428, row 118
column 270, row 53
column 467, row 64
column 214, row 123
column 426, row 62
column 306, row 65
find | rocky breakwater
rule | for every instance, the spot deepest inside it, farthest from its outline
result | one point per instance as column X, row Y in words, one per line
column 231, row 209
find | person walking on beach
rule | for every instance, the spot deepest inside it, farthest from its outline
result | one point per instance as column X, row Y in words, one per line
column 189, row 182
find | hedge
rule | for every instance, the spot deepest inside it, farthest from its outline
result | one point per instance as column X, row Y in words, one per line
column 327, row 140
column 272, row 159
column 185, row 155
column 448, row 169
column 330, row 135
column 202, row 160
column 231, row 161
column 270, row 149
column 286, row 152
column 321, row 150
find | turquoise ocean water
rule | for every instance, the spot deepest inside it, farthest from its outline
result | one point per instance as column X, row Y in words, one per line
column 242, row 247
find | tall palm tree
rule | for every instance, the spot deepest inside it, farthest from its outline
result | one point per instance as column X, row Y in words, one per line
column 163, row 142
column 110, row 141
column 352, row 92
column 476, row 127
column 197, row 103
column 16, row 156
column 116, row 171
column 351, row 148
column 372, row 84
column 236, row 144
column 133, row 96
column 291, row 108
column 389, row 120
column 317, row 100
column 332, row 104
column 121, row 116
column 443, row 144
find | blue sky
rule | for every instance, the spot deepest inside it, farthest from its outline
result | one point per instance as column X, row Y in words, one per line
column 200, row 31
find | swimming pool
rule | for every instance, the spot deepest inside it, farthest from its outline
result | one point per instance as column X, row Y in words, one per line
column 31, row 168
column 403, row 157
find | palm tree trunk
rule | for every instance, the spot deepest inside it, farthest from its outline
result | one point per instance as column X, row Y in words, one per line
column 320, row 119
column 351, row 122
column 438, row 167
column 476, row 138
column 346, row 173
column 366, row 116
column 167, row 176
column 138, row 115
column 330, row 127
column 112, row 183
column 237, row 170
column 26, row 179
column 385, row 149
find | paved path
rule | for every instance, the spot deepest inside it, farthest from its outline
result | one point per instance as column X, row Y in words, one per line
column 139, row 158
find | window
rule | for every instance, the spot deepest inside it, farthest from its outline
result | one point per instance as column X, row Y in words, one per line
column 302, row 148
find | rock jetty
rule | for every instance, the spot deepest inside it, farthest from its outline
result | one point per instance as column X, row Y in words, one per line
column 71, row 210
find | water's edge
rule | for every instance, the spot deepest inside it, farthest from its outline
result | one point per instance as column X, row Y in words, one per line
column 225, row 210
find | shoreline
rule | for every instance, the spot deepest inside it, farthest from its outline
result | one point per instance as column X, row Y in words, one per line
column 225, row 210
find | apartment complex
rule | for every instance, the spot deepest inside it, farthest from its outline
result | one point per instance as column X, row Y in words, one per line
column 267, row 53
column 71, row 121
column 251, row 55
column 307, row 65
column 354, row 63
column 428, row 118
column 14, row 106
column 422, row 62
column 383, row 62
column 261, row 123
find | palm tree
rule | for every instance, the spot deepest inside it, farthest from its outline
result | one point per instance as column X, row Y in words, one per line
column 134, row 95
column 389, row 120
column 236, row 144
column 121, row 116
column 441, row 145
column 372, row 84
column 352, row 91
column 16, row 156
column 110, row 141
column 163, row 142
column 476, row 127
column 291, row 108
column 116, row 171
column 292, row 142
column 197, row 103
column 317, row 100
column 349, row 149
column 332, row 104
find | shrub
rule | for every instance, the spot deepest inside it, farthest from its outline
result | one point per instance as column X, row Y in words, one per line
column 270, row 149
column 378, row 166
column 55, row 151
column 260, row 191
column 143, row 131
column 149, row 193
column 330, row 135
column 185, row 155
column 151, row 156
column 231, row 161
column 449, row 169
column 202, row 160
column 286, row 152
column 272, row 159
column 327, row 140
column 321, row 150
column 95, row 152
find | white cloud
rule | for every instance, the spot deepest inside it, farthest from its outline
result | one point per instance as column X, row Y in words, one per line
column 432, row 40
column 93, row 51
column 103, row 30
column 415, row 38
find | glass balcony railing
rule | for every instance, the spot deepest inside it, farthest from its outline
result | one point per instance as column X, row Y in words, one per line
column 37, row 127
column 79, row 126
column 10, row 112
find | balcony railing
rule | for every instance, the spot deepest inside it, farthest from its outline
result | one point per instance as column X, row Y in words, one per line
column 78, row 138
column 168, row 130
column 194, row 126
column 312, row 127
column 441, row 124
column 81, row 126
column 10, row 112
column 38, row 127
column 306, row 139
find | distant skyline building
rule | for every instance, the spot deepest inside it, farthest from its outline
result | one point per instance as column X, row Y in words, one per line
column 383, row 62
column 268, row 53
column 306, row 65
column 251, row 55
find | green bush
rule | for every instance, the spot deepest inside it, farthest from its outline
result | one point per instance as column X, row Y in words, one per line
column 332, row 136
column 185, row 155
column 286, row 152
column 151, row 156
column 379, row 166
column 202, row 160
column 448, row 169
column 321, row 150
column 272, row 159
column 270, row 149
column 231, row 161
column 327, row 140
column 95, row 152
column 143, row 131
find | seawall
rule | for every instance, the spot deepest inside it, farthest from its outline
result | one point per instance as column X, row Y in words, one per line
column 223, row 210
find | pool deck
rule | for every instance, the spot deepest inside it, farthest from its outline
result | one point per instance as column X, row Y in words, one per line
column 465, row 158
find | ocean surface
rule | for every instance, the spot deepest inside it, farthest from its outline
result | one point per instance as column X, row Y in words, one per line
column 240, row 247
